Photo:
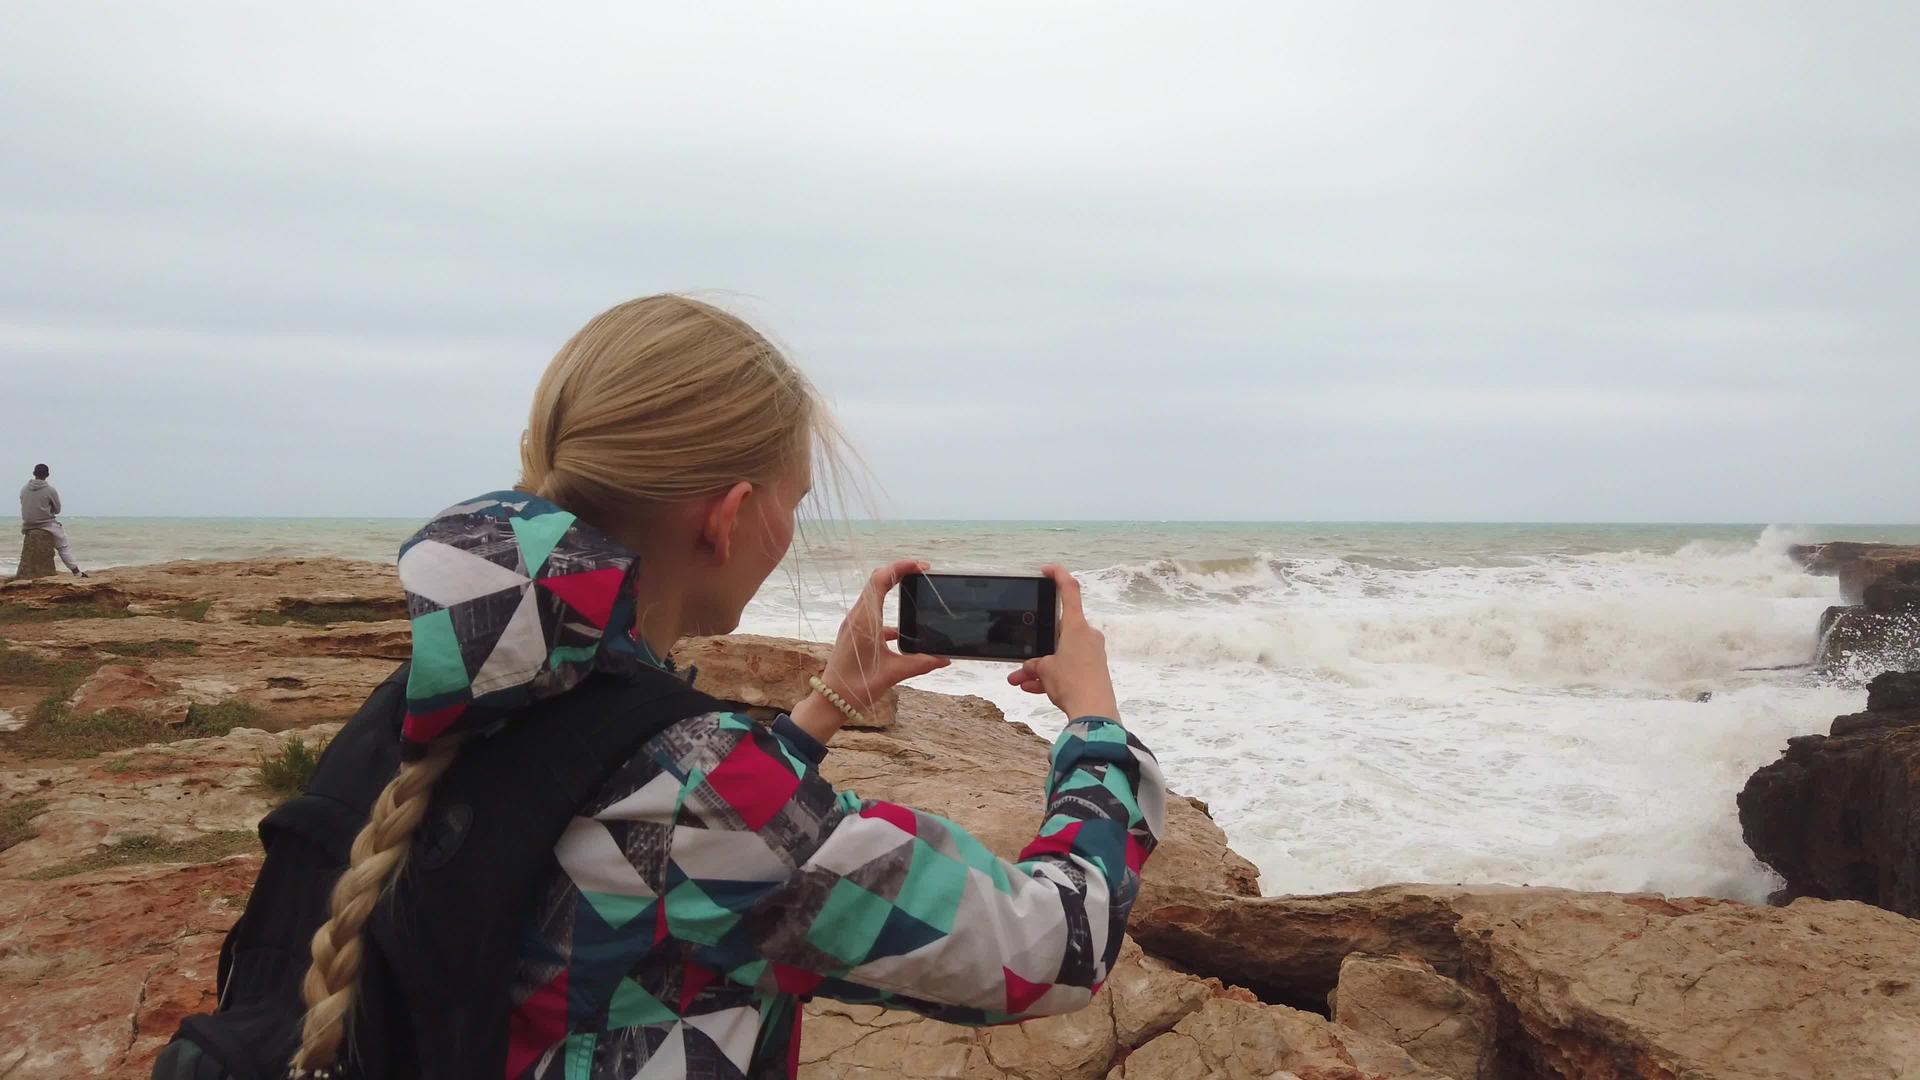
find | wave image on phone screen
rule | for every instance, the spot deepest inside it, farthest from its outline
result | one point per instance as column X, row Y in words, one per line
column 1001, row 618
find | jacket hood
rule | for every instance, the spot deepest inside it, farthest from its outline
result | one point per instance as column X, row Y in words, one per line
column 36, row 484
column 512, row 600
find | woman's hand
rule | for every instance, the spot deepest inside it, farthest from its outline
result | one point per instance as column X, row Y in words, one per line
column 1075, row 677
column 863, row 667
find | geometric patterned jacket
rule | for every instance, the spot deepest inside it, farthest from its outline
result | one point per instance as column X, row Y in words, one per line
column 718, row 879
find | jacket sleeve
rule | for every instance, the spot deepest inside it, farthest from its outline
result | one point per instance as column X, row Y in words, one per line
column 53, row 496
column 794, row 887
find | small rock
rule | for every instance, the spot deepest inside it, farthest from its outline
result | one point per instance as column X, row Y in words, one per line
column 1883, row 563
column 1402, row 1000
column 1894, row 690
column 1857, row 723
column 122, row 686
column 36, row 554
column 1234, row 1039
column 1860, row 638
column 1839, row 817
column 1888, row 597
column 1637, row 988
column 1289, row 948
column 764, row 671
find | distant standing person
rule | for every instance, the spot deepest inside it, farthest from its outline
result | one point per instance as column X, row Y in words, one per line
column 40, row 509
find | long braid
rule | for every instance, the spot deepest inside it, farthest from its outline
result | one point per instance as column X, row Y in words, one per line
column 378, row 854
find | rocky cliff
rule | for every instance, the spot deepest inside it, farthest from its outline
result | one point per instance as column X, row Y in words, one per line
column 1878, row 626
column 138, row 707
column 1838, row 815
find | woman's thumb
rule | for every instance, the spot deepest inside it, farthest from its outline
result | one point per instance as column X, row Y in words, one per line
column 917, row 664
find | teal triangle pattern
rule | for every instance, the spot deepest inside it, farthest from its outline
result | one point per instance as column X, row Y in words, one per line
column 438, row 667
column 616, row 910
column 632, row 1006
column 537, row 537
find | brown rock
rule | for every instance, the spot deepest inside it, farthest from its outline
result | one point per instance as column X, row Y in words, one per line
column 1839, row 817
column 1826, row 559
column 1872, row 563
column 1596, row 987
column 1289, row 949
column 1894, row 690
column 121, row 686
column 1856, row 723
column 1148, row 996
column 1143, row 998
column 169, row 791
column 865, row 1042
column 1862, row 640
column 1888, row 597
column 96, row 972
column 204, row 615
column 1402, row 1000
column 768, row 672
column 233, row 591
column 1856, row 564
column 1237, row 1040
column 36, row 554
column 1599, row 985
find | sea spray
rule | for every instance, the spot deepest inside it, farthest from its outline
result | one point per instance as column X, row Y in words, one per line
column 1419, row 706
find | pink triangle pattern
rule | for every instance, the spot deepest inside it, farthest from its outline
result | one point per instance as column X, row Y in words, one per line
column 591, row 594
column 1021, row 994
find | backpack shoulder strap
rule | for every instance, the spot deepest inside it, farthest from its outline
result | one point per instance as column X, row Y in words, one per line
column 453, row 932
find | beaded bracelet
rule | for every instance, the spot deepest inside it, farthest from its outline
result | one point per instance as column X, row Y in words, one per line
column 836, row 700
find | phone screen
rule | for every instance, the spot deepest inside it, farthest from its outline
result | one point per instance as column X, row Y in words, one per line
column 984, row 616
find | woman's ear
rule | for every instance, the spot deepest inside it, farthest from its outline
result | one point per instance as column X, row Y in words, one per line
column 722, row 521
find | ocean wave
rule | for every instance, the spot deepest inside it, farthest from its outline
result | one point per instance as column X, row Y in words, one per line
column 1644, row 643
column 1759, row 568
column 1233, row 577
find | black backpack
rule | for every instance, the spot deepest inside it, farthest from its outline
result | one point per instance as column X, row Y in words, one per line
column 441, row 948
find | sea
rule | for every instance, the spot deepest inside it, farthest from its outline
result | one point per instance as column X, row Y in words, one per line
column 1362, row 703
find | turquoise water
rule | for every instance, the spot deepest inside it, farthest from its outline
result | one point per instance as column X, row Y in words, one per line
column 1363, row 703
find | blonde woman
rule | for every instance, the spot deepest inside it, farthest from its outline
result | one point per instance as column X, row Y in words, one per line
column 715, row 880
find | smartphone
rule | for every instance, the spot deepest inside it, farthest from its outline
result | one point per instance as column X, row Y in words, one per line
column 977, row 616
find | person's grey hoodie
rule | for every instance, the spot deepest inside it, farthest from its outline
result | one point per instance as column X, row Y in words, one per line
column 39, row 505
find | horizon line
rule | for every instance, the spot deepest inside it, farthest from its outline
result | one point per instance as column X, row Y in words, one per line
column 1776, row 523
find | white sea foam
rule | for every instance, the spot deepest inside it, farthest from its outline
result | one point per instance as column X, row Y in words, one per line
column 1503, row 715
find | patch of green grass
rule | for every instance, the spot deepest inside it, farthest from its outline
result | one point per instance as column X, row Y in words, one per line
column 16, row 821
column 18, row 667
column 53, row 731
column 221, row 718
column 156, row 647
column 288, row 771
column 205, row 848
column 14, row 612
column 310, row 614
column 189, row 610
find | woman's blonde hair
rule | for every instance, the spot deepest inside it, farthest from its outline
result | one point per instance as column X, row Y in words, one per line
column 661, row 399
column 655, row 400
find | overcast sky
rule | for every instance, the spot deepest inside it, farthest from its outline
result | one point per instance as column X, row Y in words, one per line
column 1340, row 261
